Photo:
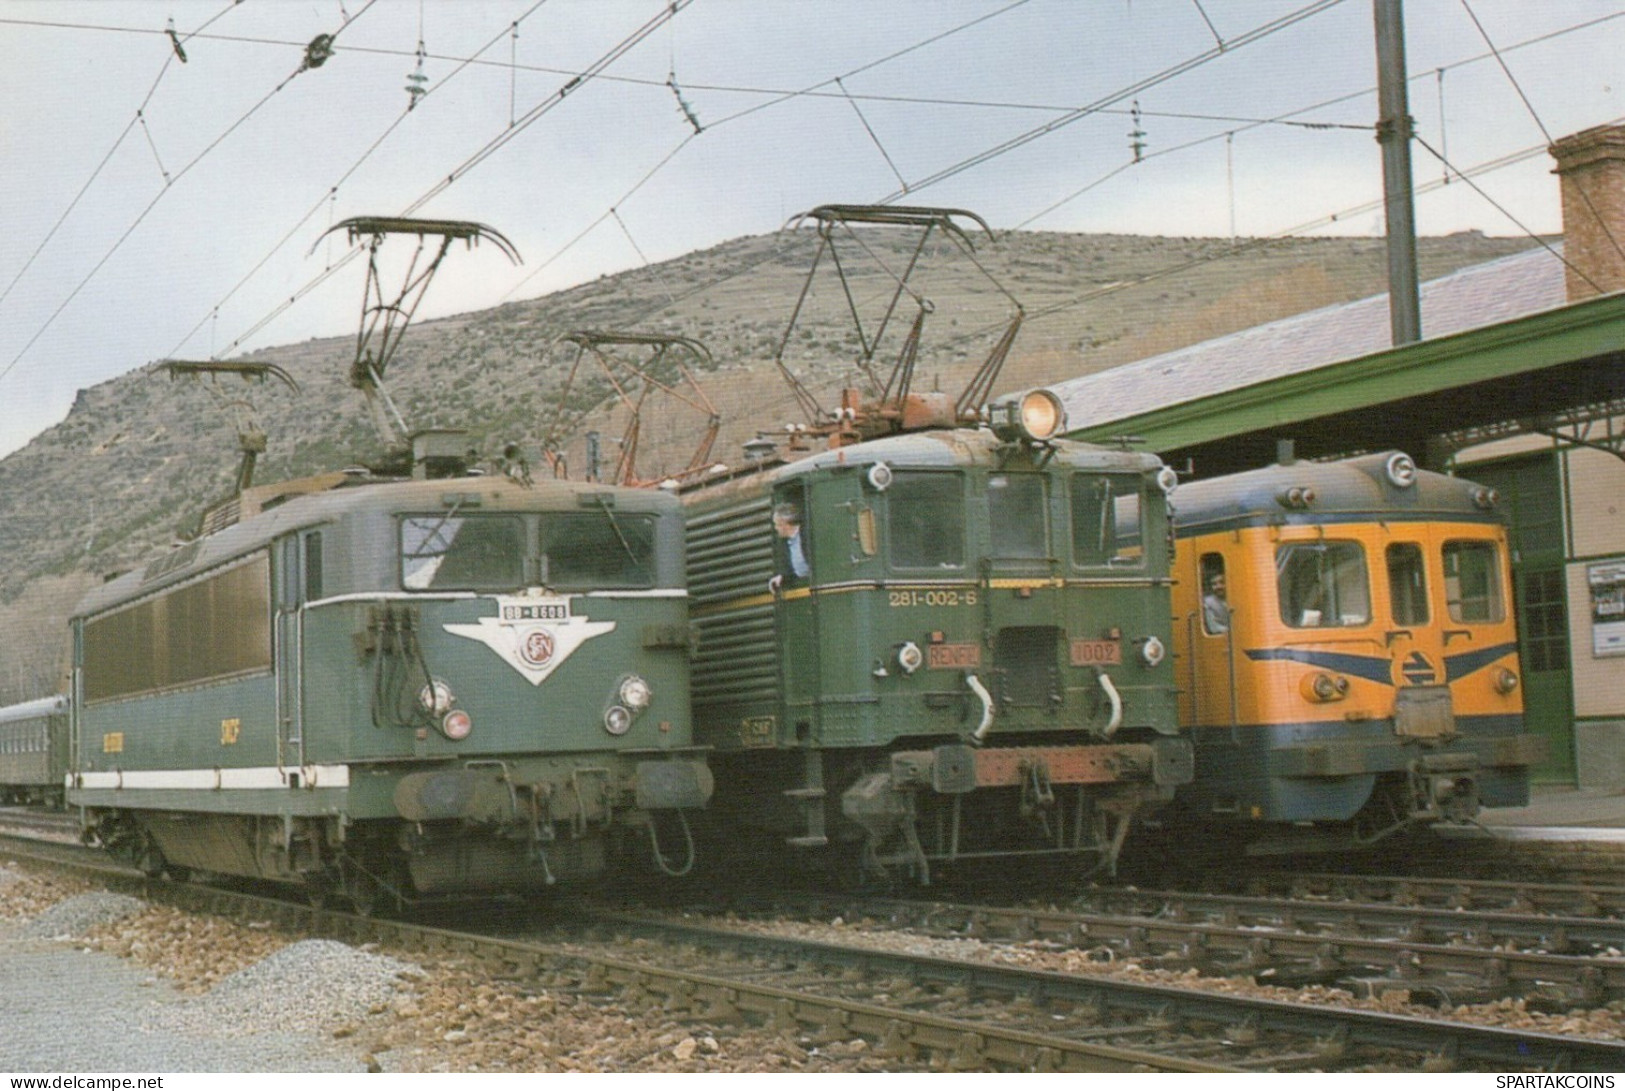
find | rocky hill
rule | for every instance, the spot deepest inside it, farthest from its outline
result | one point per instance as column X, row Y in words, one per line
column 127, row 473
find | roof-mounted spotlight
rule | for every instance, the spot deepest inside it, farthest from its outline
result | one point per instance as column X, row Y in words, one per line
column 1401, row 470
column 1036, row 417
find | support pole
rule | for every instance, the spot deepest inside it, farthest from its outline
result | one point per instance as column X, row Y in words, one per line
column 1394, row 130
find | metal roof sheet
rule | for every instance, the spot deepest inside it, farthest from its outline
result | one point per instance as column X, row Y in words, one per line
column 1482, row 295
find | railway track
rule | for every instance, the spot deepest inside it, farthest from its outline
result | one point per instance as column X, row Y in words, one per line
column 1438, row 957
column 53, row 825
column 1574, row 900
column 922, row 1011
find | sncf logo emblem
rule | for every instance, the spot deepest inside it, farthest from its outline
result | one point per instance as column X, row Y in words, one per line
column 536, row 647
column 534, row 650
column 1418, row 670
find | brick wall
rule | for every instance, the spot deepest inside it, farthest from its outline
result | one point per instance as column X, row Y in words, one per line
column 1591, row 165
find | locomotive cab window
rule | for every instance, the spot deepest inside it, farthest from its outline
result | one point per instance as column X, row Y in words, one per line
column 1018, row 516
column 462, row 552
column 1407, row 584
column 1105, row 524
column 598, row 549
column 1322, row 585
column 1472, row 582
column 926, row 519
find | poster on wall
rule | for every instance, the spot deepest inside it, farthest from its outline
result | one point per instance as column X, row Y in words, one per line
column 1607, row 582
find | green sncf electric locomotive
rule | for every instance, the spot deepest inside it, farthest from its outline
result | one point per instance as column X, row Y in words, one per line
column 937, row 646
column 396, row 690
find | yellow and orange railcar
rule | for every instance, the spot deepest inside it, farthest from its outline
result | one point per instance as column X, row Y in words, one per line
column 1346, row 646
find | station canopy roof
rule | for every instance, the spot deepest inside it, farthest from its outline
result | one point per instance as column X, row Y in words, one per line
column 1503, row 353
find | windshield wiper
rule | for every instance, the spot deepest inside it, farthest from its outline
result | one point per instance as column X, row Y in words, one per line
column 615, row 525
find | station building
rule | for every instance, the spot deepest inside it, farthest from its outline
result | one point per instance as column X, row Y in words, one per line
column 1518, row 383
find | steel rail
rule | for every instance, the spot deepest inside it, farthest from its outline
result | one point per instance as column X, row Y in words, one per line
column 1270, row 941
column 1574, row 899
column 1192, row 1030
column 1324, row 1036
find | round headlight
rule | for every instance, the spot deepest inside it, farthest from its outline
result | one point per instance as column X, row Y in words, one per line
column 1505, row 681
column 436, row 698
column 1042, row 416
column 617, row 721
column 1037, row 417
column 909, row 657
column 1401, row 470
column 456, row 725
column 1167, row 480
column 879, row 476
column 636, row 694
column 1152, row 651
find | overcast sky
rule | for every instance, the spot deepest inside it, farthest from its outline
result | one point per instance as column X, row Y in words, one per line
column 151, row 208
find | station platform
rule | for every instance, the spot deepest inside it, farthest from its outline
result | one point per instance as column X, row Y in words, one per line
column 1561, row 814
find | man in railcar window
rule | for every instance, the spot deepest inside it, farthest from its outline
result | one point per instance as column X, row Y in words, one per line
column 1215, row 606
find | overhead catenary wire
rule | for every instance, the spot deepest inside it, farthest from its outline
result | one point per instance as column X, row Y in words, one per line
column 146, row 211
column 327, row 196
column 850, row 96
column 612, row 213
column 102, row 165
column 1503, row 210
column 496, row 143
column 779, row 97
column 1597, row 217
column 1258, row 33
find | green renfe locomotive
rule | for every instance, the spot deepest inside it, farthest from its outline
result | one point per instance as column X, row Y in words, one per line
column 938, row 646
column 393, row 690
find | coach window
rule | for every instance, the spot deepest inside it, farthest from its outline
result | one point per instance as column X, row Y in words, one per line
column 926, row 520
column 1322, row 585
column 462, row 552
column 1018, row 516
column 1472, row 582
column 1407, row 584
